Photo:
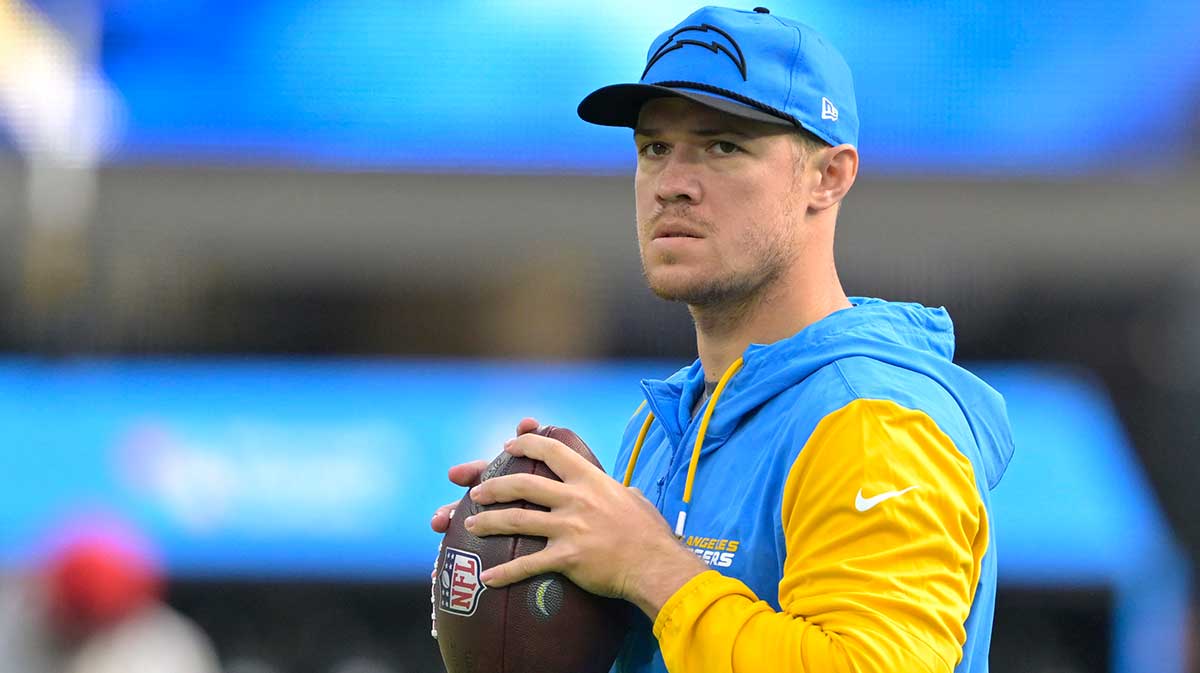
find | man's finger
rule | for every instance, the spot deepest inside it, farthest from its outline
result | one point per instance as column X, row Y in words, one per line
column 520, row 568
column 441, row 518
column 559, row 457
column 467, row 474
column 531, row 487
column 512, row 521
column 527, row 425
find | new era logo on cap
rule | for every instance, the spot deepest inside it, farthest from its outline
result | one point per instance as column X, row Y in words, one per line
column 828, row 110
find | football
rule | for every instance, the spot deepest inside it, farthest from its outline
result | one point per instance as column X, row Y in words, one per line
column 544, row 624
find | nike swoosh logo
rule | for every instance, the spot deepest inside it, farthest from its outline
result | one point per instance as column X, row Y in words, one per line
column 863, row 504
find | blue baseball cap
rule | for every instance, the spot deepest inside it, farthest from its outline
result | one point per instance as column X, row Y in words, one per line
column 752, row 64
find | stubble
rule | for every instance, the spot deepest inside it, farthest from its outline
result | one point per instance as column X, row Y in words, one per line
column 723, row 300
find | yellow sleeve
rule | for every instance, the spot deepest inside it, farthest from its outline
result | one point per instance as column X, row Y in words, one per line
column 877, row 579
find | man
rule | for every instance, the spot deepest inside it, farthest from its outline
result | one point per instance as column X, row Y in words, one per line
column 93, row 604
column 812, row 493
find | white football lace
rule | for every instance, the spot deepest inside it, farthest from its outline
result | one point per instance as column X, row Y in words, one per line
column 433, row 598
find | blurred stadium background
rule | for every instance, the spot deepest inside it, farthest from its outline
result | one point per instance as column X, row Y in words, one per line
column 268, row 267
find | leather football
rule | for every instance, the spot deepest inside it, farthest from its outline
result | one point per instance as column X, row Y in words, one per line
column 544, row 624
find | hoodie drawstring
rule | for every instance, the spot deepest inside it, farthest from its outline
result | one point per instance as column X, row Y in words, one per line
column 695, row 460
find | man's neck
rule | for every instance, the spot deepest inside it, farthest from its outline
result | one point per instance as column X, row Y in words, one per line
column 724, row 332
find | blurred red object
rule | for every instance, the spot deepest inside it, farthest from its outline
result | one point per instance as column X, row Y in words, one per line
column 95, row 582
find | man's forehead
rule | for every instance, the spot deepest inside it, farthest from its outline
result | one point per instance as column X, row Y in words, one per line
column 664, row 114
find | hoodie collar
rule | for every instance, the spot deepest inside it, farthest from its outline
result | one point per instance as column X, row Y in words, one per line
column 907, row 335
column 770, row 369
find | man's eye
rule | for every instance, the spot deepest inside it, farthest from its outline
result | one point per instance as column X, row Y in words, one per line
column 653, row 150
column 725, row 147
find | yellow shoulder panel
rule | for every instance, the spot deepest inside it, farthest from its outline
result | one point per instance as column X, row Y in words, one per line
column 885, row 535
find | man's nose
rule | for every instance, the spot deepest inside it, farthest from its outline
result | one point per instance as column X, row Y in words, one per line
column 678, row 181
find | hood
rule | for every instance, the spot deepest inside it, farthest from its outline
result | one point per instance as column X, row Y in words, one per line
column 905, row 335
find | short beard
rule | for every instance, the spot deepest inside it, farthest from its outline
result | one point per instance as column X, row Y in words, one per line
column 718, row 304
column 717, row 292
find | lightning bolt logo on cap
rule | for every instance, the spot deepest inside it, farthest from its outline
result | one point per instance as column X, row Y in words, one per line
column 735, row 54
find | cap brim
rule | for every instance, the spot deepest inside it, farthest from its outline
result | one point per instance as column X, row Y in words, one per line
column 619, row 104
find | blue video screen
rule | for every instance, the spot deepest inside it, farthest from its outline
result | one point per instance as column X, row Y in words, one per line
column 333, row 468
column 944, row 89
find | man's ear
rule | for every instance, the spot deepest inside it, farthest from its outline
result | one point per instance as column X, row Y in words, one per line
column 838, row 167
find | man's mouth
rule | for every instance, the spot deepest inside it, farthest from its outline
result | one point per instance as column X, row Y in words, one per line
column 675, row 231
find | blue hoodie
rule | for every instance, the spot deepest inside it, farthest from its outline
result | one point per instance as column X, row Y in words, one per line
column 837, row 483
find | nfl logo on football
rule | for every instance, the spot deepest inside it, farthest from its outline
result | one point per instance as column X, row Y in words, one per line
column 460, row 583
